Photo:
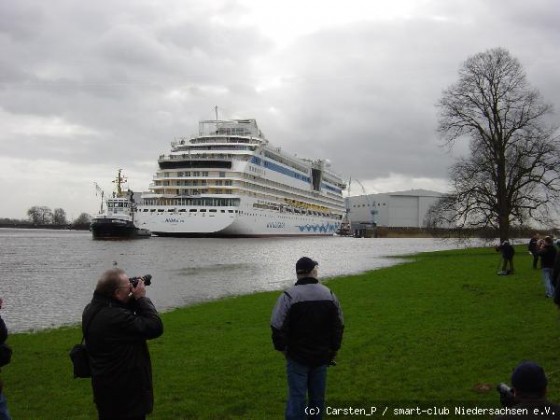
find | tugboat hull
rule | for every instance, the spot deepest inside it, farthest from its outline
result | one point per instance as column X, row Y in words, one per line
column 116, row 229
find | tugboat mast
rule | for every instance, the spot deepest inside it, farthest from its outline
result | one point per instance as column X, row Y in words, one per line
column 119, row 180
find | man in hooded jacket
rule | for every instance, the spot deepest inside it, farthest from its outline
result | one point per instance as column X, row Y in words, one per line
column 116, row 325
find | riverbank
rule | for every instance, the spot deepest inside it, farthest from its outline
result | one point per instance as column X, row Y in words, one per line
column 440, row 329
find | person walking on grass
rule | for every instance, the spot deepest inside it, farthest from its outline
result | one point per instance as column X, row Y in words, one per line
column 116, row 325
column 534, row 249
column 307, row 326
column 507, row 252
column 547, row 254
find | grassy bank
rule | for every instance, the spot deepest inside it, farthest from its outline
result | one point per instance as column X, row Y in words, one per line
column 432, row 330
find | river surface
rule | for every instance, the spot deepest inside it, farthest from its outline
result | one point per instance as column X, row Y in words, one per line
column 48, row 276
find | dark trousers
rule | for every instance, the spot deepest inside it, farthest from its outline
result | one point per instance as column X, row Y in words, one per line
column 507, row 261
column 535, row 260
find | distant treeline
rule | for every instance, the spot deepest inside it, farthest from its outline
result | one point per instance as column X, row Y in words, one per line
column 42, row 217
column 488, row 233
column 24, row 224
column 413, row 232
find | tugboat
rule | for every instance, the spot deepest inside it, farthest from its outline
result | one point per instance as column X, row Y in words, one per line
column 117, row 222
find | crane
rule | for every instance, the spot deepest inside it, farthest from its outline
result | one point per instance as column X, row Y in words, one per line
column 371, row 210
column 98, row 190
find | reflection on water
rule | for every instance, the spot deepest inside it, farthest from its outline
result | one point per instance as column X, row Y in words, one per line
column 49, row 276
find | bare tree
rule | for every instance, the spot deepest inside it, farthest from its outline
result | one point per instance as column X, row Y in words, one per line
column 40, row 215
column 511, row 175
column 82, row 219
column 59, row 217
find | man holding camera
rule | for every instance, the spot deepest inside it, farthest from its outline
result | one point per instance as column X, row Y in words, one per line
column 528, row 394
column 116, row 325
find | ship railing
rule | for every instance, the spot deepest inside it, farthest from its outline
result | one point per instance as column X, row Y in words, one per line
column 205, row 156
column 216, row 141
column 225, row 139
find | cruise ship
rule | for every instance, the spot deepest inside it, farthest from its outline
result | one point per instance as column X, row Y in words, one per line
column 229, row 181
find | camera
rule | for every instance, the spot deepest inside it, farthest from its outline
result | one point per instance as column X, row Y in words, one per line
column 146, row 278
column 507, row 399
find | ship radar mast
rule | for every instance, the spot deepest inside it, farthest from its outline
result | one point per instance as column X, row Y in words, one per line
column 119, row 181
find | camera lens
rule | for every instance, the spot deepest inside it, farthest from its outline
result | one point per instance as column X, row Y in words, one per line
column 147, row 279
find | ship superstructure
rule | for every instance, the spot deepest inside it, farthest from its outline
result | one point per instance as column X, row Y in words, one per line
column 229, row 181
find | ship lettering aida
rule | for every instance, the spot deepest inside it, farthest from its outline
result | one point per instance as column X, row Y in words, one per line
column 229, row 181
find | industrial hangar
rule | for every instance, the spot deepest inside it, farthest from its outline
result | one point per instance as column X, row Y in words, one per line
column 406, row 209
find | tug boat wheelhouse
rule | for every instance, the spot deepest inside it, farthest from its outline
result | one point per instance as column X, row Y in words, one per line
column 229, row 181
column 117, row 222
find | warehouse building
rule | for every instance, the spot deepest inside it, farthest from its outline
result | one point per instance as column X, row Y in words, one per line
column 407, row 209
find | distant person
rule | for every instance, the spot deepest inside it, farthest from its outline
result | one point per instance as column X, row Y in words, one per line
column 307, row 326
column 534, row 249
column 116, row 325
column 4, row 413
column 556, row 278
column 507, row 252
column 547, row 254
column 529, row 388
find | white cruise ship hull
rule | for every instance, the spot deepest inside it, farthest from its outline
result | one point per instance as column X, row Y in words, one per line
column 233, row 222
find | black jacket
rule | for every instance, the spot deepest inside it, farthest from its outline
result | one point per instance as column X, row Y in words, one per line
column 533, row 246
column 507, row 251
column 307, row 323
column 3, row 338
column 547, row 254
column 120, row 362
column 3, row 331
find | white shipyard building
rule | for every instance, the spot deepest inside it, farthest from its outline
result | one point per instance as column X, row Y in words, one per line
column 403, row 209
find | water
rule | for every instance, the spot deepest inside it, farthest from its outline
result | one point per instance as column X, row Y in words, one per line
column 48, row 276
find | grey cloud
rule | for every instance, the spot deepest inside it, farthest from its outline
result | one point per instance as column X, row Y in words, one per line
column 134, row 75
column 376, row 87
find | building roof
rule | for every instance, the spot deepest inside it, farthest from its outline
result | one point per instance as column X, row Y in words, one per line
column 418, row 193
column 413, row 193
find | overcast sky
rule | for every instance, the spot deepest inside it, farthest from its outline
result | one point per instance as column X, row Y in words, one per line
column 87, row 88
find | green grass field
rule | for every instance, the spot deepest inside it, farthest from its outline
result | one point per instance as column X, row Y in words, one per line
column 440, row 328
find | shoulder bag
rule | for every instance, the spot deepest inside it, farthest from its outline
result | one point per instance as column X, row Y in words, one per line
column 79, row 355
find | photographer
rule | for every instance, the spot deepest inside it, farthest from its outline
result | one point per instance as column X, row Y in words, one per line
column 116, row 325
column 529, row 387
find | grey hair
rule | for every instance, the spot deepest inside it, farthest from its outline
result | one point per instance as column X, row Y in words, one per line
column 109, row 282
